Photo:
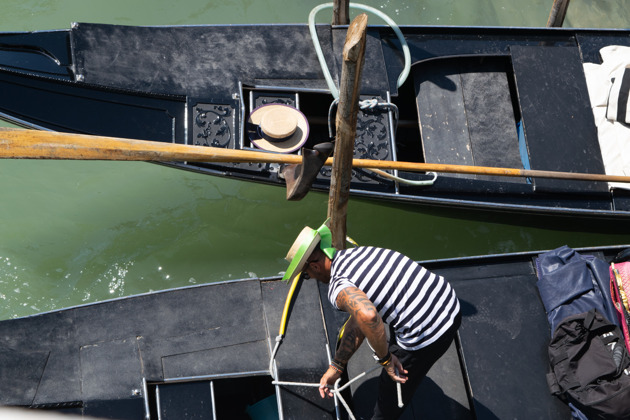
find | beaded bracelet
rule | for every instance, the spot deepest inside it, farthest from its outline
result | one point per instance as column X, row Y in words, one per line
column 339, row 365
column 334, row 367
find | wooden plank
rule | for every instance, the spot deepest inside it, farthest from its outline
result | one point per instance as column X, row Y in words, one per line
column 490, row 118
column 111, row 369
column 442, row 116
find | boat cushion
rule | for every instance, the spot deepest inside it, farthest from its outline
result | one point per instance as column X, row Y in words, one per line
column 613, row 135
column 166, row 60
column 570, row 283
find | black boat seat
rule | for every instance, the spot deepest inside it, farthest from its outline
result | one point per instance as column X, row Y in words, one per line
column 466, row 115
column 558, row 122
column 504, row 336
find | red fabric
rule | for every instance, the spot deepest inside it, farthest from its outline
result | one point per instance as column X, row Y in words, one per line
column 624, row 273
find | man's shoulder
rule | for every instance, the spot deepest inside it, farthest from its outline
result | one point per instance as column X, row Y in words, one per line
column 362, row 249
column 366, row 252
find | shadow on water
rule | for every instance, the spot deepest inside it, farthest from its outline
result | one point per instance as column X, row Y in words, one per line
column 426, row 232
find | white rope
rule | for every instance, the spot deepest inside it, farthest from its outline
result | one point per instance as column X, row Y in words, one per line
column 320, row 55
column 374, row 103
column 329, row 356
column 363, row 104
column 337, row 389
column 404, row 180
column 368, row 103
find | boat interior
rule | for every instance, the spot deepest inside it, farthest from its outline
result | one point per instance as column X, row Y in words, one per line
column 204, row 352
column 474, row 96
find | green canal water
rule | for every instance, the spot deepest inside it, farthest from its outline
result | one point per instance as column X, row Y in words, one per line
column 78, row 232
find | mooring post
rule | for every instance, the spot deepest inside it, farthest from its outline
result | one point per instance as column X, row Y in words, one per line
column 341, row 12
column 558, row 12
column 346, row 125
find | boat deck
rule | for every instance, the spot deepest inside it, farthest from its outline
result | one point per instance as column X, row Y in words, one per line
column 188, row 352
column 128, row 357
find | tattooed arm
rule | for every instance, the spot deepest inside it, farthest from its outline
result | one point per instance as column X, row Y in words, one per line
column 350, row 341
column 364, row 322
column 367, row 319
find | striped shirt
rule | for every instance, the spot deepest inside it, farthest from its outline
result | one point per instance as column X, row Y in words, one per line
column 418, row 304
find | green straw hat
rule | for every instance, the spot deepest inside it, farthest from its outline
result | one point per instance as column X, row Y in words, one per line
column 304, row 246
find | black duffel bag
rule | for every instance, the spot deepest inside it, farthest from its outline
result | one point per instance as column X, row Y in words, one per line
column 590, row 366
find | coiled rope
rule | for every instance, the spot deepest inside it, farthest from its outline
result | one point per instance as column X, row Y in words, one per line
column 336, row 390
column 320, row 55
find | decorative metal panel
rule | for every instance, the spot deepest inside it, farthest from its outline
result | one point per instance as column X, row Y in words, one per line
column 213, row 125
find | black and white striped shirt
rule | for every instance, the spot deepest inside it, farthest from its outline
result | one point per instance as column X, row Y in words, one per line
column 418, row 304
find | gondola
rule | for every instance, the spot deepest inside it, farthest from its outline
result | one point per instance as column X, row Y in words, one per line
column 523, row 98
column 205, row 352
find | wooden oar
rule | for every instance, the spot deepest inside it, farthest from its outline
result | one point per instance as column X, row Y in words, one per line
column 35, row 144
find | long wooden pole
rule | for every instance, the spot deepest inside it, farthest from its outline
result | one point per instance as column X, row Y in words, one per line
column 341, row 12
column 558, row 12
column 35, row 144
column 346, row 126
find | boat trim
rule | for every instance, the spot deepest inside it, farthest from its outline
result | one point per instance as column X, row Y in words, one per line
column 215, row 376
column 462, row 204
column 145, row 397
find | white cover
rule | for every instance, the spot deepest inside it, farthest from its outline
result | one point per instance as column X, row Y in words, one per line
column 614, row 136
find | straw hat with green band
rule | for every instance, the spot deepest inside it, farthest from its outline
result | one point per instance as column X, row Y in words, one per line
column 303, row 247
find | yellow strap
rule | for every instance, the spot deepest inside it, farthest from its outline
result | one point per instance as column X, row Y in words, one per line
column 622, row 292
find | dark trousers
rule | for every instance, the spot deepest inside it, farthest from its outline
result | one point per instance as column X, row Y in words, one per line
column 417, row 363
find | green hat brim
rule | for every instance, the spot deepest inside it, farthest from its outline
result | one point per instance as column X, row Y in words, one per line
column 306, row 242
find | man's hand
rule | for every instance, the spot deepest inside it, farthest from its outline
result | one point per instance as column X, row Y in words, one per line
column 396, row 371
column 327, row 382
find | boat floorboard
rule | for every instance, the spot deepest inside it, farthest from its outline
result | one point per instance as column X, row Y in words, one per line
column 550, row 83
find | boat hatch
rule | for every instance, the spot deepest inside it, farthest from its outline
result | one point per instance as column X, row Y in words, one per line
column 223, row 397
column 466, row 113
column 374, row 138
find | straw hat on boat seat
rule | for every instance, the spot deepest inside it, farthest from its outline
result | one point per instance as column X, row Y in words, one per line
column 277, row 128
